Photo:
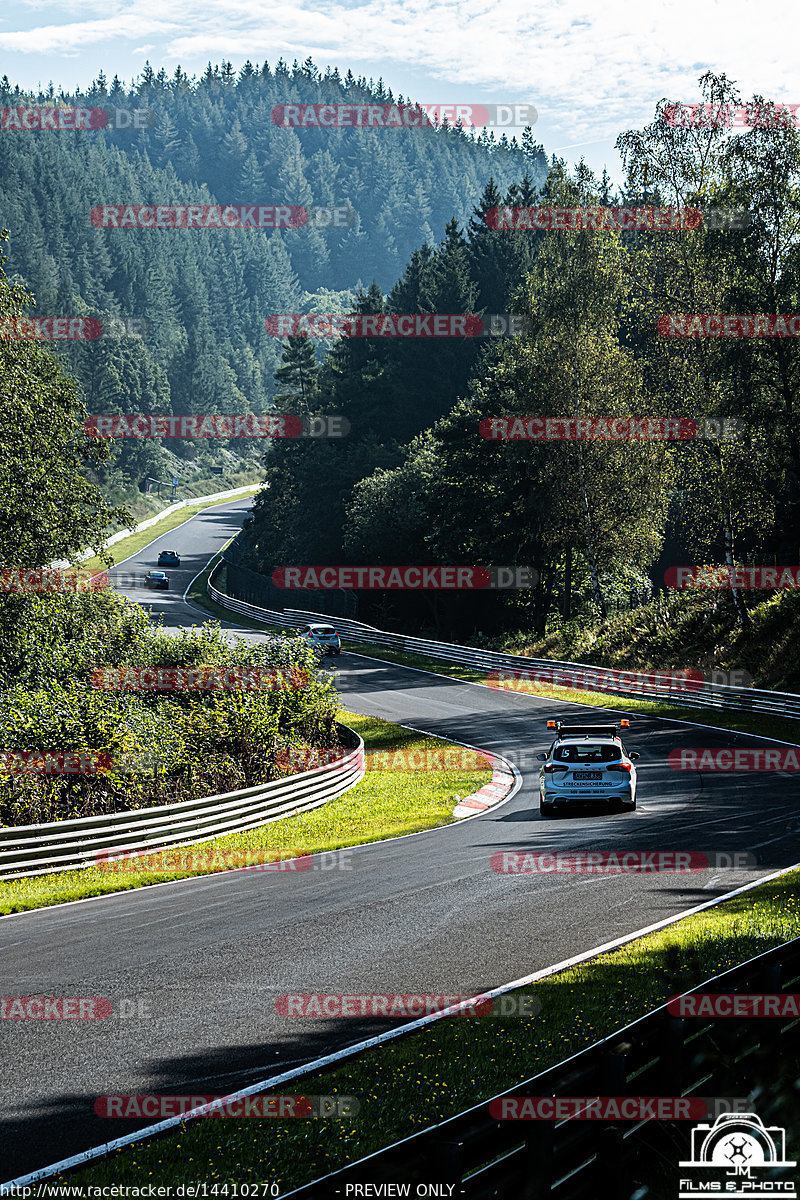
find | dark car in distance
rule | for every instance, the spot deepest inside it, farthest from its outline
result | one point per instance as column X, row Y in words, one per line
column 156, row 579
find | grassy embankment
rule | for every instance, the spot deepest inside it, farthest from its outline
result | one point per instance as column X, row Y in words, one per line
column 424, row 1077
column 387, row 803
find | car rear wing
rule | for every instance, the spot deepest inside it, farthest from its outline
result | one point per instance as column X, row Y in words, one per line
column 563, row 730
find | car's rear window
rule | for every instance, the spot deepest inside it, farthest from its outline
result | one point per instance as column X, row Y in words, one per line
column 585, row 752
column 325, row 630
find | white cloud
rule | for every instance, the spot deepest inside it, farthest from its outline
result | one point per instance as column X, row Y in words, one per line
column 591, row 69
column 66, row 39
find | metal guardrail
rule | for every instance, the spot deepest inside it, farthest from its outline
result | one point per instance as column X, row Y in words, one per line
column 478, row 1157
column 29, row 850
column 232, row 494
column 694, row 694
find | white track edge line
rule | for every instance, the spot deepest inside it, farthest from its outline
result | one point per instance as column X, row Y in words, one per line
column 580, row 704
column 348, row 1051
column 49, row 908
column 171, row 1122
column 107, row 1147
column 175, row 528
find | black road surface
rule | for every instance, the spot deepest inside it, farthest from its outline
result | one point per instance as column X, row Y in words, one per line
column 204, row 960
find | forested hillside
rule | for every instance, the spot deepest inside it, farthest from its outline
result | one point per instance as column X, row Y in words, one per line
column 600, row 520
column 415, row 480
column 205, row 294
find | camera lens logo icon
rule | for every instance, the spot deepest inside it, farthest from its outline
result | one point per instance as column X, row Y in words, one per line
column 740, row 1141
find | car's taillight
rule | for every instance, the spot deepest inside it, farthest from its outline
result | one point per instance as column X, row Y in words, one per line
column 619, row 767
column 550, row 767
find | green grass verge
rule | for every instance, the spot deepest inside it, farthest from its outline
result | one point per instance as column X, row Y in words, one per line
column 782, row 728
column 761, row 724
column 693, row 628
column 125, row 547
column 199, row 594
column 385, row 804
column 439, row 1071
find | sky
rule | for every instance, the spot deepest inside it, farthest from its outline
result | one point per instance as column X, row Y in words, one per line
column 591, row 69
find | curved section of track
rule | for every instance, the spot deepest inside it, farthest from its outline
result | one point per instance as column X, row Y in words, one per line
column 426, row 913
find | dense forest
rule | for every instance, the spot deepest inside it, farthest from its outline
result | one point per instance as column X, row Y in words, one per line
column 599, row 520
column 415, row 481
column 155, row 746
column 205, row 294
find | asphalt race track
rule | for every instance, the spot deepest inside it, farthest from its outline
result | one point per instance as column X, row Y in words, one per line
column 208, row 957
column 197, row 541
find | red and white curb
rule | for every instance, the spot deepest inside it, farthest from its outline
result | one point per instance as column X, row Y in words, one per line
column 491, row 793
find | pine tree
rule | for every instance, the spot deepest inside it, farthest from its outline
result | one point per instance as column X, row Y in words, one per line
column 298, row 376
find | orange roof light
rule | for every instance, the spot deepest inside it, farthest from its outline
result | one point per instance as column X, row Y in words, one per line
column 551, row 725
column 624, row 724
